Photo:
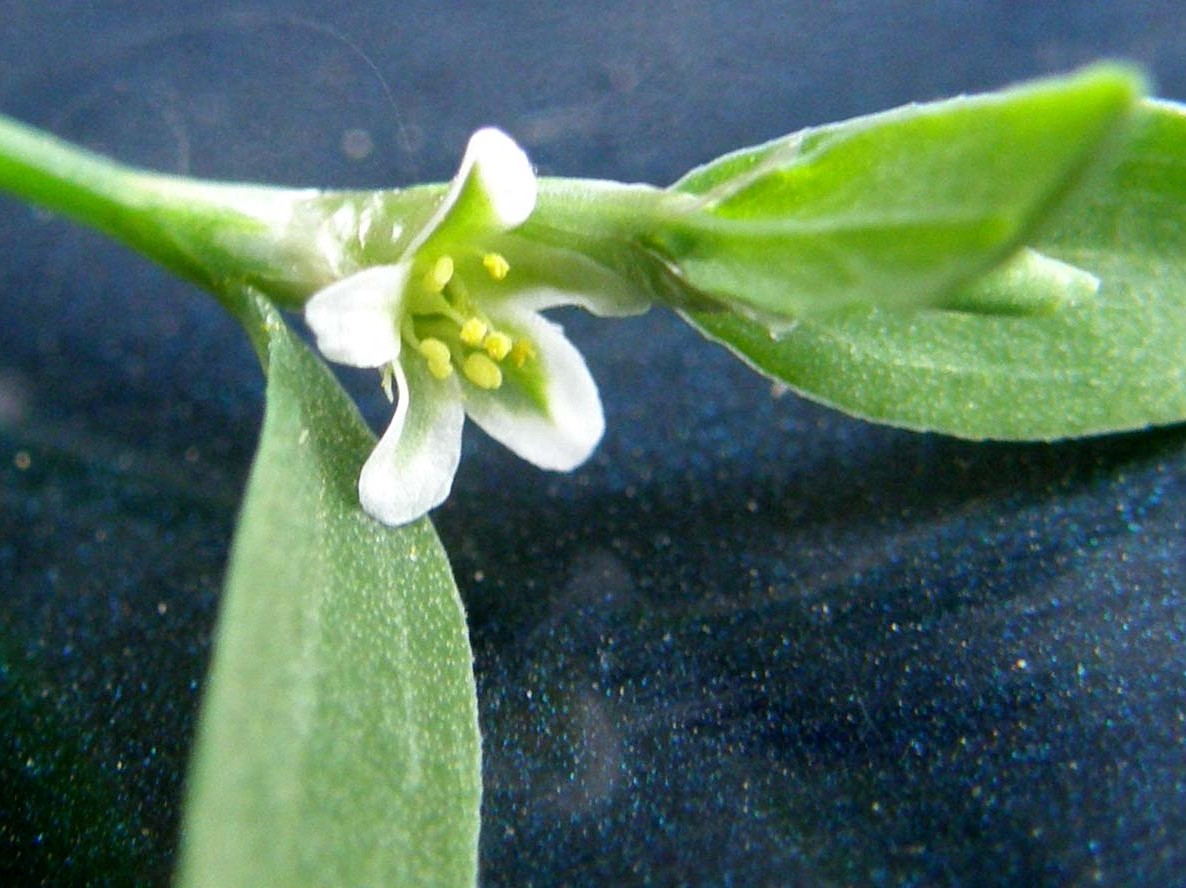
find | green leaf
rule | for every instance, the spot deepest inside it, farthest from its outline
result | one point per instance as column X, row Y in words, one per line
column 1113, row 361
column 899, row 208
column 338, row 742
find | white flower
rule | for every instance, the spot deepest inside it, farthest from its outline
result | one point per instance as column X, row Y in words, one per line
column 455, row 323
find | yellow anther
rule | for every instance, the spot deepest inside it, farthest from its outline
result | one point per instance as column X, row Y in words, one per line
column 438, row 356
column 439, row 275
column 497, row 265
column 498, row 345
column 482, row 371
column 522, row 352
column 435, row 351
column 440, row 369
column 473, row 332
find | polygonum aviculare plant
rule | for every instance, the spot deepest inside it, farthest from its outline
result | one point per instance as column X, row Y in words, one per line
column 913, row 267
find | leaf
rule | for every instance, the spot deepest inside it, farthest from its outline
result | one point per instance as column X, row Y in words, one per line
column 1110, row 362
column 898, row 208
column 338, row 742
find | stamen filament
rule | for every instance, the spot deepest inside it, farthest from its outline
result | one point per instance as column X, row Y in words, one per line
column 407, row 331
column 439, row 275
column 386, row 377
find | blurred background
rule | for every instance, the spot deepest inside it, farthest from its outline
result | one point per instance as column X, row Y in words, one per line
column 753, row 641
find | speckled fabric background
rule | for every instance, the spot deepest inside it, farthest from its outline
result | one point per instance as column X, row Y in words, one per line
column 752, row 642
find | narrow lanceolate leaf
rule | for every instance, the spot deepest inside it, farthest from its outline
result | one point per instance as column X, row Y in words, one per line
column 1105, row 362
column 338, row 742
column 896, row 209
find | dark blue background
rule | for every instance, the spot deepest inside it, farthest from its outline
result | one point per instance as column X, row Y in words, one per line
column 753, row 642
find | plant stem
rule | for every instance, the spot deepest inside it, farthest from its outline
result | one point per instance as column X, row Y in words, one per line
column 224, row 237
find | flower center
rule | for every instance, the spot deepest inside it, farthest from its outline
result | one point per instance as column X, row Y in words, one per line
column 448, row 330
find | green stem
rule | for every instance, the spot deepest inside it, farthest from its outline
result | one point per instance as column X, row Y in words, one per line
column 224, row 237
column 44, row 170
column 243, row 241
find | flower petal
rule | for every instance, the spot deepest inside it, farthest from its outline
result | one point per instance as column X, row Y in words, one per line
column 494, row 191
column 411, row 469
column 616, row 303
column 558, row 427
column 503, row 173
column 356, row 319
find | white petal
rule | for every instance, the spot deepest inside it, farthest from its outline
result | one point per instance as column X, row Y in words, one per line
column 356, row 319
column 615, row 303
column 559, row 436
column 494, row 191
column 503, row 172
column 411, row 469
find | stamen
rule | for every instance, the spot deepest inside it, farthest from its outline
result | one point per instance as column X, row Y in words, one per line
column 497, row 265
column 386, row 377
column 440, row 370
column 522, row 352
column 498, row 345
column 439, row 275
column 440, row 359
column 473, row 332
column 482, row 371
column 435, row 350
